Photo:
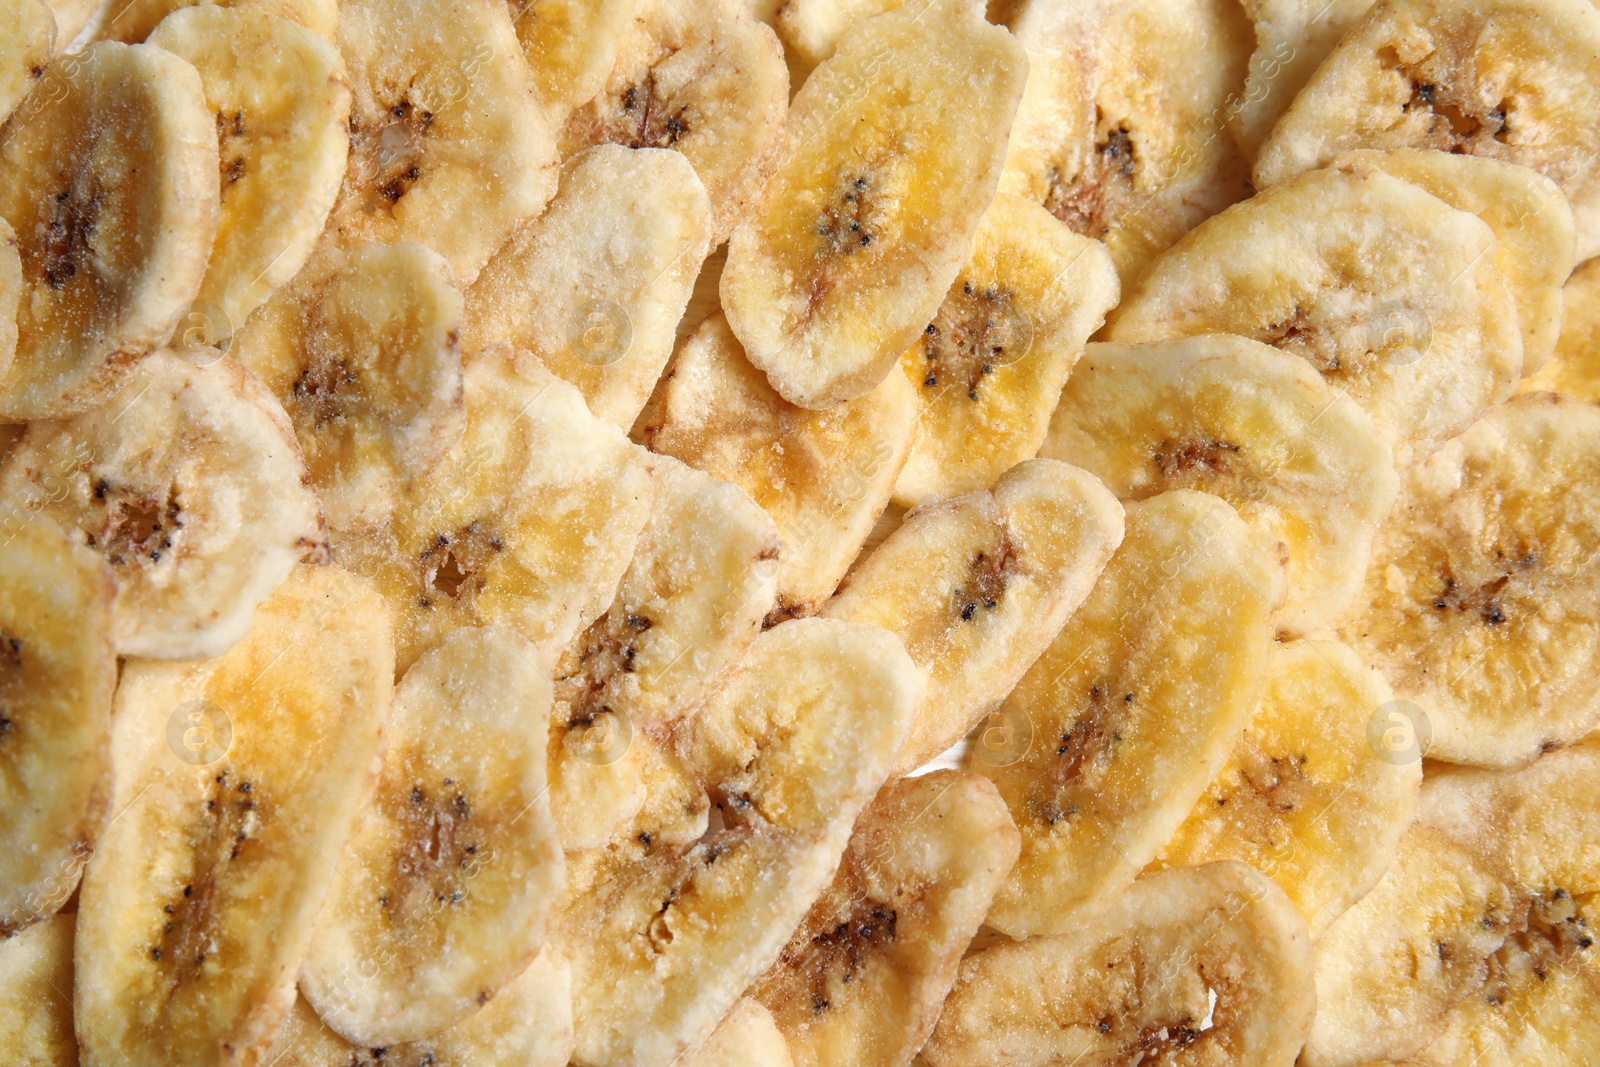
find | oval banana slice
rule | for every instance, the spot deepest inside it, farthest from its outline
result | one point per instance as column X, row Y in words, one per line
column 823, row 476
column 108, row 179
column 1115, row 732
column 57, row 672
column 190, row 485
column 1574, row 367
column 977, row 586
column 27, row 41
column 747, row 1037
column 571, row 46
column 1391, row 294
column 864, row 976
column 595, row 287
column 1480, row 602
column 990, row 366
column 892, row 152
column 1304, row 466
column 1206, row 966
column 36, row 995
column 134, row 20
column 1293, row 37
column 237, row 781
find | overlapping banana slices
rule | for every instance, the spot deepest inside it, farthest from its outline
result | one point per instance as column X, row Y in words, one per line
column 747, row 1037
column 1303, row 465
column 571, row 45
column 1208, row 965
column 36, row 995
column 977, row 586
column 864, row 975
column 1574, row 367
column 1293, row 37
column 108, row 181
column 823, row 476
column 596, row 286
column 27, row 41
column 812, row 28
column 893, row 148
column 237, row 781
column 1390, row 293
column 1113, row 735
column 1480, row 600
column 189, row 483
column 132, row 21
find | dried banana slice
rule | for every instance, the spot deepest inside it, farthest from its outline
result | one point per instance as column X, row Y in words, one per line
column 1480, row 603
column 823, row 476
column 36, row 996
column 449, row 145
column 864, row 976
column 1293, row 37
column 571, row 46
column 27, row 41
column 1303, row 465
column 1574, row 367
column 596, row 286
column 990, row 366
column 108, row 179
column 812, row 28
column 1115, row 732
column 977, row 586
column 1307, row 797
column 282, row 106
column 134, row 20
column 450, row 876
column 528, row 522
column 664, row 938
column 237, row 781
column 703, row 78
column 361, row 349
column 746, row 1038
column 71, row 17
column 1391, row 294
column 893, row 150
column 57, row 671
column 1208, row 965
column 190, row 485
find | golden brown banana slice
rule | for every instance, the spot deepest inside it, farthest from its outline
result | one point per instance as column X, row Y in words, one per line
column 747, row 1037
column 453, row 870
column 1293, row 37
column 977, row 586
column 190, row 485
column 990, row 366
column 1115, row 732
column 134, row 20
column 893, row 150
column 1391, row 294
column 1480, row 602
column 703, row 78
column 1317, row 793
column 27, row 41
column 1303, row 465
column 282, row 105
column 1206, row 966
column 57, row 671
column 361, row 349
column 571, row 46
column 596, row 286
column 1574, row 367
column 108, row 180
column 237, row 781
column 865, row 974
column 36, row 996
column 823, row 476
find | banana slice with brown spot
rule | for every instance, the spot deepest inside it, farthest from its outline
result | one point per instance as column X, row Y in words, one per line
column 1574, row 367
column 865, row 974
column 27, row 41
column 977, row 586
column 893, row 150
column 746, row 1038
column 1210, row 965
column 237, row 782
column 571, row 46
column 36, row 996
column 1114, row 733
column 596, row 286
column 990, row 366
column 1293, row 37
column 108, row 180
column 823, row 476
column 131, row 21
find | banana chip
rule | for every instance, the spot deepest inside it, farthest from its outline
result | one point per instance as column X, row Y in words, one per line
column 571, row 46
column 812, row 28
column 746, row 1038
column 27, row 41
column 36, row 996
column 1574, row 367
column 132, row 21
column 1293, row 37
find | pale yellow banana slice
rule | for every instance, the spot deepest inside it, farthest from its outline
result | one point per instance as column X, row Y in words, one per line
column 892, row 151
column 1518, row 80
column 1389, row 292
column 990, row 366
column 1481, row 601
column 1303, row 465
column 57, row 671
column 282, row 106
column 134, row 20
column 361, row 349
column 812, row 28
column 571, row 46
column 1115, row 732
column 237, row 781
column 1204, row 966
column 1293, row 37
column 72, row 17
column 27, row 41
column 1574, row 367
column 864, row 976
column 36, row 996
column 190, row 485
column 746, row 1038
column 108, row 179
column 703, row 78
column 596, row 286
column 823, row 476
column 977, row 586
